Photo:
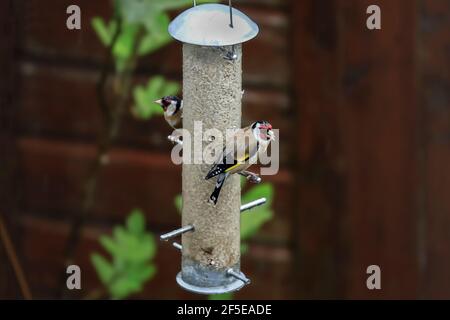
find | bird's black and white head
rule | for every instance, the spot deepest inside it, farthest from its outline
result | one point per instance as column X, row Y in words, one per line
column 170, row 104
column 263, row 132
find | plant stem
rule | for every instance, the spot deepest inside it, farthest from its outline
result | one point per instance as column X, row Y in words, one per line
column 12, row 256
column 112, row 116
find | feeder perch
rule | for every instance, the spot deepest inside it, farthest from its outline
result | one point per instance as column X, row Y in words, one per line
column 212, row 37
column 178, row 246
column 175, row 233
column 253, row 204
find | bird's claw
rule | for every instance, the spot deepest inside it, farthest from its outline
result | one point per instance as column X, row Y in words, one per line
column 254, row 178
column 211, row 202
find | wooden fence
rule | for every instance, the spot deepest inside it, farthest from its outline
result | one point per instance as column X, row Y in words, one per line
column 364, row 119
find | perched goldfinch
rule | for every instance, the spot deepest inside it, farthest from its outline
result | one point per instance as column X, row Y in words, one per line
column 173, row 110
column 246, row 142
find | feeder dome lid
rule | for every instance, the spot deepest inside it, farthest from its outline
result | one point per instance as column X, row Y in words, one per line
column 209, row 25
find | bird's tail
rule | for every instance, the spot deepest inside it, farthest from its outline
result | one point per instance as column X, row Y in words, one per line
column 219, row 184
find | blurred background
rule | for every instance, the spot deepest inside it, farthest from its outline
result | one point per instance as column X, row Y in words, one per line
column 364, row 119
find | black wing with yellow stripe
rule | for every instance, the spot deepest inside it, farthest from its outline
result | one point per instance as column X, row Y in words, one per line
column 225, row 167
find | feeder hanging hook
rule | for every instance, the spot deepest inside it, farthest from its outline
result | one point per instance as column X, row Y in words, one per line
column 231, row 14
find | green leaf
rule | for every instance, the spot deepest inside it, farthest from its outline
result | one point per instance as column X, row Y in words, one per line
column 244, row 248
column 144, row 96
column 127, row 244
column 150, row 43
column 132, row 280
column 141, row 109
column 252, row 221
column 104, row 32
column 125, row 42
column 136, row 249
column 104, row 269
column 170, row 88
column 135, row 10
column 147, row 247
column 132, row 250
column 123, row 287
column 141, row 273
column 179, row 202
column 109, row 244
column 243, row 182
column 177, row 4
column 154, row 86
column 141, row 10
column 223, row 296
column 148, row 273
column 121, row 236
column 157, row 35
column 136, row 222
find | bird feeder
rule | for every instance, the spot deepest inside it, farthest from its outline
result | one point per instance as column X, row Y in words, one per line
column 212, row 37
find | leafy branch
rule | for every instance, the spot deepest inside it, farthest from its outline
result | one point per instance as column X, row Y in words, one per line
column 132, row 250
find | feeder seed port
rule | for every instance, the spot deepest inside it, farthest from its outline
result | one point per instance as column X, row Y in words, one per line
column 229, row 55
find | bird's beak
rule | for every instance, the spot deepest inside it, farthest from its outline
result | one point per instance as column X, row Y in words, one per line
column 159, row 102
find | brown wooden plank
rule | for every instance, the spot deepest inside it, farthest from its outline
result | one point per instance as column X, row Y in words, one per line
column 9, row 285
column 61, row 102
column 43, row 35
column 435, row 278
column 42, row 245
column 434, row 66
column 268, row 3
column 320, row 182
column 378, row 122
column 357, row 148
column 7, row 103
column 52, row 173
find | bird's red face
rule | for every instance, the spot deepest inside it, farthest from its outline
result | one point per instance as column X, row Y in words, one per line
column 265, row 131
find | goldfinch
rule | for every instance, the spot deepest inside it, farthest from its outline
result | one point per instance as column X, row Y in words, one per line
column 246, row 143
column 173, row 110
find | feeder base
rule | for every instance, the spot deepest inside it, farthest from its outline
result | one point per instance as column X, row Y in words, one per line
column 230, row 287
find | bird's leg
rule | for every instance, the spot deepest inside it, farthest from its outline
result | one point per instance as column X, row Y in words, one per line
column 252, row 177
